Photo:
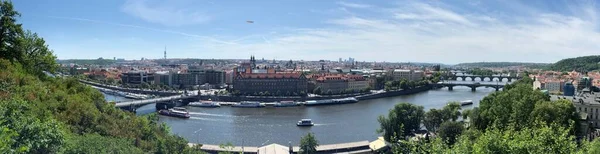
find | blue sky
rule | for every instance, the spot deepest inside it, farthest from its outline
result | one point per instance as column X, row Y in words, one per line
column 450, row 31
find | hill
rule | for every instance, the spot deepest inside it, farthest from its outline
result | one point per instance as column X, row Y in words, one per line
column 501, row 64
column 43, row 114
column 583, row 64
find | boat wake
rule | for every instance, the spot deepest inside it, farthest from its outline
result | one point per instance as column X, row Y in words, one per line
column 209, row 119
column 216, row 115
column 325, row 124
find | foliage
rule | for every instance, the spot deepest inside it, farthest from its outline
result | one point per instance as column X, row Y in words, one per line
column 403, row 120
column 40, row 114
column 94, row 143
column 449, row 131
column 479, row 71
column 317, row 90
column 581, row 64
column 308, row 144
column 501, row 64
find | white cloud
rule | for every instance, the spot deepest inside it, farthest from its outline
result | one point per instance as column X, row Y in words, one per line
column 164, row 13
column 354, row 5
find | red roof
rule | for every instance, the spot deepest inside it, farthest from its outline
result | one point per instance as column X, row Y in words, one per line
column 271, row 75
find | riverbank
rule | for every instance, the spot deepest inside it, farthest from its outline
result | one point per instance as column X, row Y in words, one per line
column 351, row 147
column 276, row 99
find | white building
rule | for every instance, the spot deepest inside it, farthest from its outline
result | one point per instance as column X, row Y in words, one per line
column 409, row 75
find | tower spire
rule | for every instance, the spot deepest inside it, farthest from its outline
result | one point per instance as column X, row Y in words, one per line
column 165, row 52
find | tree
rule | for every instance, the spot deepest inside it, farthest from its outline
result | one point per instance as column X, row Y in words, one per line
column 449, row 131
column 329, row 92
column 402, row 121
column 36, row 55
column 404, row 84
column 10, row 32
column 228, row 148
column 433, row 119
column 308, row 144
column 317, row 91
column 451, row 111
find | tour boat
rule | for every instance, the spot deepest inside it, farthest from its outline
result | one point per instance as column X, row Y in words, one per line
column 305, row 122
column 331, row 101
column 209, row 104
column 175, row 112
column 286, row 104
column 247, row 104
column 466, row 102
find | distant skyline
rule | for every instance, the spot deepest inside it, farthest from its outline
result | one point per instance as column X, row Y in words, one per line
column 448, row 32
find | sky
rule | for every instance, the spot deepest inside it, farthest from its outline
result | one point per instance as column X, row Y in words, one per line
column 436, row 31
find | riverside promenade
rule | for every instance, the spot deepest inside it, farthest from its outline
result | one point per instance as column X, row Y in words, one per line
column 361, row 147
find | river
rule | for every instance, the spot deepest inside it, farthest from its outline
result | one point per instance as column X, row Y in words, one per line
column 333, row 124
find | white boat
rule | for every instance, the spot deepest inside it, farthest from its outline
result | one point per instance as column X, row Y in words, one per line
column 247, row 104
column 175, row 112
column 331, row 101
column 305, row 122
column 466, row 102
column 286, row 104
column 210, row 104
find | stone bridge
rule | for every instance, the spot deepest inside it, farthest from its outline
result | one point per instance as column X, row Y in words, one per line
column 473, row 86
column 481, row 77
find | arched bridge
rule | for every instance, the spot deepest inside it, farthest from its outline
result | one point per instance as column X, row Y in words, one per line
column 482, row 77
column 473, row 86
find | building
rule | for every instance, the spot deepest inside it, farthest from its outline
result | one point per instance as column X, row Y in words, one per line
column 538, row 85
column 272, row 83
column 184, row 80
column 331, row 84
column 584, row 82
column 215, row 77
column 338, row 83
column 356, row 83
column 164, row 78
column 410, row 75
column 137, row 77
column 585, row 103
column 554, row 86
column 569, row 89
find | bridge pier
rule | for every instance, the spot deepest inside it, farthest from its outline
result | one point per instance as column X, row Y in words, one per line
column 509, row 79
column 464, row 79
column 472, row 79
column 450, row 88
column 473, row 88
column 497, row 88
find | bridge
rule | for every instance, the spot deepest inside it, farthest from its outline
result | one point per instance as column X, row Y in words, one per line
column 473, row 86
column 482, row 77
column 132, row 105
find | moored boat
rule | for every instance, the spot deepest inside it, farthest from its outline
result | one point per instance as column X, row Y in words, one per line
column 305, row 122
column 175, row 112
column 466, row 102
column 286, row 104
column 209, row 104
column 331, row 101
column 248, row 104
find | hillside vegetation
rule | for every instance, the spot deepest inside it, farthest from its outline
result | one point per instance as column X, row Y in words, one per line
column 581, row 64
column 41, row 114
column 501, row 64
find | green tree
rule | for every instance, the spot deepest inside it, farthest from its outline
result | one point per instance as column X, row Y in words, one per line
column 228, row 147
column 433, row 119
column 401, row 121
column 308, row 144
column 10, row 31
column 404, row 84
column 450, row 130
column 36, row 55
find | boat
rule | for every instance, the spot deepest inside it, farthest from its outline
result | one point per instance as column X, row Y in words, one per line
column 466, row 102
column 286, row 104
column 305, row 122
column 331, row 101
column 175, row 112
column 209, row 104
column 248, row 104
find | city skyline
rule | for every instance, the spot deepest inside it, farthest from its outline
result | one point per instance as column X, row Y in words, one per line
column 391, row 31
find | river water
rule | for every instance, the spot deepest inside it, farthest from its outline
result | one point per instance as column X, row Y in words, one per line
column 333, row 124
